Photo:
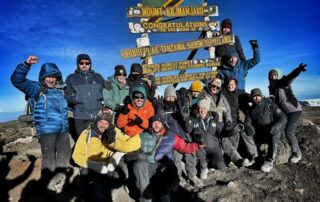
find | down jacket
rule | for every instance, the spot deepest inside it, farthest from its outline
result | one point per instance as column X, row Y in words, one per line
column 50, row 109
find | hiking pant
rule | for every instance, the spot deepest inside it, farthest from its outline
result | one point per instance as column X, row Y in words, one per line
column 291, row 127
column 249, row 144
column 263, row 135
column 56, row 150
column 154, row 176
column 230, row 147
column 79, row 126
column 214, row 153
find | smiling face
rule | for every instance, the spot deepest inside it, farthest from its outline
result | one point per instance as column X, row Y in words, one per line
column 233, row 61
column 121, row 78
column 102, row 125
column 232, row 85
column 50, row 81
column 203, row 112
column 138, row 99
column 157, row 126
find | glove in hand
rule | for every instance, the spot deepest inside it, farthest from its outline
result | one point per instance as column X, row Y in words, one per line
column 254, row 44
column 137, row 120
column 302, row 67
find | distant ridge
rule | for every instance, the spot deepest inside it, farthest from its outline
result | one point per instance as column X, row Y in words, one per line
column 311, row 102
column 9, row 116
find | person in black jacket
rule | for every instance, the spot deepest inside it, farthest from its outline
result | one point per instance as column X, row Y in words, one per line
column 280, row 87
column 137, row 78
column 266, row 122
column 84, row 94
column 224, row 50
column 230, row 141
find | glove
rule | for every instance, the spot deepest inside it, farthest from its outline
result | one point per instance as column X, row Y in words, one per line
column 152, row 79
column 107, row 85
column 228, row 126
column 118, row 108
column 125, row 110
column 198, row 136
column 185, row 112
column 137, row 120
column 254, row 44
column 215, row 116
column 249, row 130
column 109, row 135
column 302, row 67
column 275, row 129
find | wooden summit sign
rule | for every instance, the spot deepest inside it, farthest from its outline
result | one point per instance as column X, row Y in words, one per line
column 148, row 12
column 147, row 27
column 175, row 47
column 181, row 65
column 185, row 77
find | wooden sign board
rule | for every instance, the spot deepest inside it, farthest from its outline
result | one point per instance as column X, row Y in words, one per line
column 148, row 27
column 181, row 65
column 148, row 12
column 175, row 47
column 185, row 77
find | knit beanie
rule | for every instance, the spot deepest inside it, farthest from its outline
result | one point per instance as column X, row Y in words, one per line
column 136, row 67
column 226, row 23
column 103, row 116
column 83, row 57
column 205, row 103
column 170, row 91
column 233, row 53
column 155, row 118
column 276, row 72
column 119, row 69
column 256, row 92
column 196, row 86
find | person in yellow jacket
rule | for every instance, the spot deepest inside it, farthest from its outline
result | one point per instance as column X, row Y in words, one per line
column 99, row 150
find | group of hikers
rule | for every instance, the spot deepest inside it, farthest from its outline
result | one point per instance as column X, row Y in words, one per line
column 122, row 132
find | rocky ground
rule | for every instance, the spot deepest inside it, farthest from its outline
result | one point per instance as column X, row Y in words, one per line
column 20, row 168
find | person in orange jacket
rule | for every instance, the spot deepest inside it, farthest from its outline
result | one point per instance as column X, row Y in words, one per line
column 134, row 117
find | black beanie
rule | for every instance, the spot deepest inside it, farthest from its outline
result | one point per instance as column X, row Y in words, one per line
column 83, row 57
column 119, row 69
column 135, row 67
column 154, row 118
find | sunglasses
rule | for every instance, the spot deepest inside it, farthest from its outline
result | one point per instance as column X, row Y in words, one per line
column 82, row 63
column 214, row 86
column 121, row 75
column 138, row 97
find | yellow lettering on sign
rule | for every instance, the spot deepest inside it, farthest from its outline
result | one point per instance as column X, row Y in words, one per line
column 148, row 12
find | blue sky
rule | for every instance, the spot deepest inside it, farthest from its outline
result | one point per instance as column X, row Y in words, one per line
column 57, row 31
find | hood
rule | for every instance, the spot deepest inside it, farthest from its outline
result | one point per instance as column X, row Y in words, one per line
column 140, row 89
column 226, row 21
column 49, row 69
column 83, row 57
column 275, row 71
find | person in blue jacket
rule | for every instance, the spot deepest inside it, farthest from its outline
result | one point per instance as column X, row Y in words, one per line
column 50, row 112
column 235, row 68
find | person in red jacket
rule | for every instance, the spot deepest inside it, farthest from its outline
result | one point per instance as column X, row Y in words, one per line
column 155, row 170
column 134, row 117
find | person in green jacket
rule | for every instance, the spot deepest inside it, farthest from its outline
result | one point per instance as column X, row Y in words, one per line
column 116, row 89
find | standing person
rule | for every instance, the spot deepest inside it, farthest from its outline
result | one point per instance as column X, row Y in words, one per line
column 239, row 69
column 155, row 169
column 265, row 121
column 50, row 114
column 280, row 87
column 231, row 140
column 136, row 77
column 224, row 50
column 134, row 117
column 117, row 89
column 84, row 93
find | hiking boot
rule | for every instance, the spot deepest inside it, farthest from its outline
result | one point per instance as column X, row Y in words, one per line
column 204, row 174
column 241, row 162
column 252, row 160
column 195, row 181
column 267, row 166
column 57, row 182
column 295, row 158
